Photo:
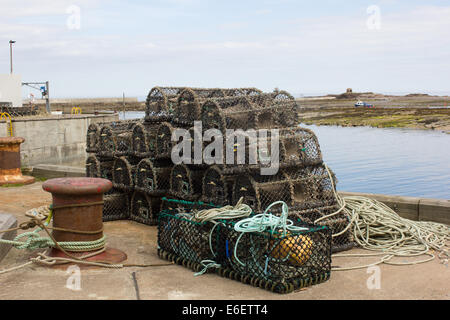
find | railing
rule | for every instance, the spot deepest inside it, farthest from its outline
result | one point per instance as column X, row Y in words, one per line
column 7, row 117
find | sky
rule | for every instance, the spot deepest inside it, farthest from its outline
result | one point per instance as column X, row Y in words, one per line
column 99, row 48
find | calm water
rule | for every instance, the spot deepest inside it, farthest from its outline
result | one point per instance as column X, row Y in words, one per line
column 388, row 161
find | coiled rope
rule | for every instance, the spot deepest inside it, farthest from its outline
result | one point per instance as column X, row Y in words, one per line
column 257, row 223
column 35, row 241
column 376, row 227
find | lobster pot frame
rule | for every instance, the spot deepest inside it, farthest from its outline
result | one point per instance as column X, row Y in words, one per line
column 336, row 223
column 144, row 208
column 106, row 168
column 188, row 108
column 186, row 182
column 297, row 147
column 115, row 138
column 277, row 262
column 153, row 179
column 161, row 103
column 184, row 241
column 93, row 167
column 217, row 187
column 116, row 206
column 164, row 142
column 208, row 93
column 124, row 171
column 144, row 140
column 311, row 187
column 227, row 113
column 92, row 138
column 173, row 205
column 236, row 92
column 259, row 191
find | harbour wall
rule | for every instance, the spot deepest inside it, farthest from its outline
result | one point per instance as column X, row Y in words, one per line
column 53, row 139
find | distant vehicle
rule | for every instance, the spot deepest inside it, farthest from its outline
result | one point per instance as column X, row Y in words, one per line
column 363, row 104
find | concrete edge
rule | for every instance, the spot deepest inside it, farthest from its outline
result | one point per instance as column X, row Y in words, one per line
column 413, row 208
column 50, row 171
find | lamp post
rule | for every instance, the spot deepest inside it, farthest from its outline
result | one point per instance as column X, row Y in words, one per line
column 10, row 54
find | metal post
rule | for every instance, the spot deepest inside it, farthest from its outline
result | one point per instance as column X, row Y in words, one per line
column 47, row 98
column 123, row 105
column 10, row 54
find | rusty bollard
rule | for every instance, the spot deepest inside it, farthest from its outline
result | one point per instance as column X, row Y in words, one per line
column 10, row 172
column 78, row 205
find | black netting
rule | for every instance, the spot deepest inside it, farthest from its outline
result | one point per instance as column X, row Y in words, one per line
column 153, row 178
column 217, row 186
column 186, row 182
column 161, row 103
column 92, row 138
column 124, row 171
column 164, row 140
column 93, row 167
column 116, row 206
column 145, row 208
column 115, row 138
column 144, row 140
column 188, row 108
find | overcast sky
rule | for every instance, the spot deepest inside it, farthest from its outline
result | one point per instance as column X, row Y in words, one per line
column 305, row 47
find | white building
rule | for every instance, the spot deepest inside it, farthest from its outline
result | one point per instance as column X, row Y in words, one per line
column 11, row 89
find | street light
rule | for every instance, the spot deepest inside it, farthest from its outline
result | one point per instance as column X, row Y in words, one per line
column 10, row 53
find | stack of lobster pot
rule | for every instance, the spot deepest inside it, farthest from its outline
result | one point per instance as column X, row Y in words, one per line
column 136, row 154
column 137, row 157
column 108, row 145
column 252, row 149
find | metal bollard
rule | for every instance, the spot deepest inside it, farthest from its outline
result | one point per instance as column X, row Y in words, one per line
column 78, row 205
column 10, row 172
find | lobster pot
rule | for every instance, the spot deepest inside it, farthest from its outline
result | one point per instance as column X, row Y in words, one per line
column 259, row 191
column 208, row 93
column 237, row 92
column 188, row 108
column 217, row 187
column 164, row 144
column 287, row 114
column 93, row 167
column 115, row 139
column 106, row 168
column 116, row 206
column 92, row 138
column 153, row 179
column 185, row 182
column 277, row 262
column 144, row 208
column 144, row 140
column 184, row 241
column 227, row 113
column 296, row 147
column 311, row 187
column 160, row 103
column 300, row 147
column 337, row 223
column 124, row 171
column 172, row 205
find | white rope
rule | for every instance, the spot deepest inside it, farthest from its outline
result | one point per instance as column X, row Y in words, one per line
column 376, row 227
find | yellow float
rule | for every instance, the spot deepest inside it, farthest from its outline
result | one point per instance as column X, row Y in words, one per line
column 297, row 248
